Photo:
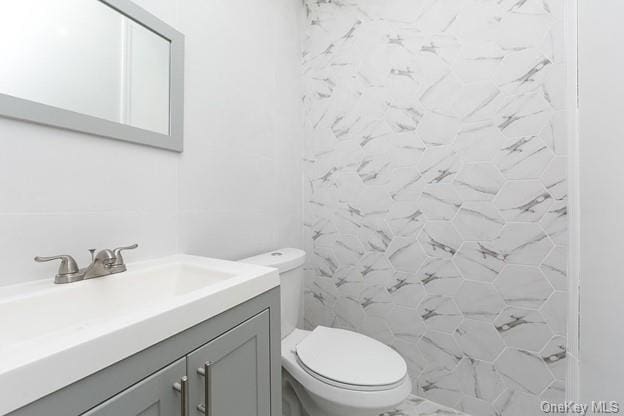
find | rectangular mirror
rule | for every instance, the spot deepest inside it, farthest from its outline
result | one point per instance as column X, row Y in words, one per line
column 105, row 67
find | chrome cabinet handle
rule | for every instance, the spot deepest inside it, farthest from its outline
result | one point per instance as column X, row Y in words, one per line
column 182, row 388
column 206, row 372
column 68, row 270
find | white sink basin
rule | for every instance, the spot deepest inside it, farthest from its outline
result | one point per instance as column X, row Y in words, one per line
column 73, row 330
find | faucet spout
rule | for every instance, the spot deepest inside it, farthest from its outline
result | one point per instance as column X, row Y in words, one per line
column 101, row 265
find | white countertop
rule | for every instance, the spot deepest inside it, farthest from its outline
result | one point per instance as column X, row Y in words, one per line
column 54, row 335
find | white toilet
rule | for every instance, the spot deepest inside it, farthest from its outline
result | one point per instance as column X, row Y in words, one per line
column 328, row 371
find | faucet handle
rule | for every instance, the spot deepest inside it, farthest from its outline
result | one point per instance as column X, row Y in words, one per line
column 68, row 270
column 119, row 261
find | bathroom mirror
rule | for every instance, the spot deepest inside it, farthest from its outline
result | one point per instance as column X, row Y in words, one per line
column 105, row 67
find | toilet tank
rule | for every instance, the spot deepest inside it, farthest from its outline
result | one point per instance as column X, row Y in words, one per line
column 289, row 262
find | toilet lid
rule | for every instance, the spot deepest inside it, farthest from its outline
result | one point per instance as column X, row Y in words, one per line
column 350, row 358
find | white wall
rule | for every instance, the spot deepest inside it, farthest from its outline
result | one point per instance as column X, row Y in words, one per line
column 601, row 82
column 235, row 191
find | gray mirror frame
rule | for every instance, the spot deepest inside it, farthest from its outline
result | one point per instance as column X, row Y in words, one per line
column 21, row 109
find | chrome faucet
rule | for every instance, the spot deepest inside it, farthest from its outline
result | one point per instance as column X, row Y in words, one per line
column 104, row 263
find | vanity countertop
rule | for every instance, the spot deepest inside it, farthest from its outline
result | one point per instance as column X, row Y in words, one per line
column 54, row 335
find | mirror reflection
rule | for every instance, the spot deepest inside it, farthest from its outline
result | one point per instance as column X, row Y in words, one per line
column 86, row 57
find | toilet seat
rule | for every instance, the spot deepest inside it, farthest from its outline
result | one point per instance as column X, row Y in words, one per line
column 350, row 360
column 341, row 393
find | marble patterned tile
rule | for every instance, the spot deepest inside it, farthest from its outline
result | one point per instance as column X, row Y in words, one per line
column 439, row 276
column 523, row 201
column 555, row 356
column 440, row 202
column 434, row 166
column 523, row 286
column 406, row 255
column 440, row 239
column 479, row 340
column 523, row 328
column 479, row 261
column 479, row 379
column 555, row 268
column 523, row 158
column 479, row 221
column 440, row 313
column 416, row 406
column 478, row 142
column 479, row 301
column 523, row 244
column 524, row 371
column 479, row 182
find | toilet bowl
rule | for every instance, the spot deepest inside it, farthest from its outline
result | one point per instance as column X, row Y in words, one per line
column 330, row 371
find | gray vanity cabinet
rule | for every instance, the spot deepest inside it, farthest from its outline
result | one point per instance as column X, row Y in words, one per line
column 241, row 347
column 153, row 396
column 239, row 373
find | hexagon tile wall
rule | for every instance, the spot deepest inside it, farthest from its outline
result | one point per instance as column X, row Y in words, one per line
column 436, row 191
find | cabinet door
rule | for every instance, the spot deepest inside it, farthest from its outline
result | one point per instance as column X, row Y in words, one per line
column 154, row 396
column 239, row 374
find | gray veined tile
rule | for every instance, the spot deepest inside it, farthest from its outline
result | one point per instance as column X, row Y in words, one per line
column 440, row 349
column 478, row 182
column 524, row 371
column 522, row 328
column 374, row 235
column 479, row 379
column 479, row 261
column 348, row 186
column 472, row 406
column 403, row 118
column 440, row 165
column 438, row 129
column 555, row 222
column 478, row 102
column 522, row 71
column 405, row 254
column 555, row 177
column 375, row 269
column 478, row 142
column 406, row 184
column 440, row 94
column 348, row 281
column 375, row 169
column 440, row 239
column 405, row 218
column 555, row 268
column 555, row 393
column 555, row 134
column 323, row 233
column 405, row 289
column 403, row 149
column 479, row 301
column 349, row 312
column 440, row 313
column 523, row 286
column 375, row 300
column 440, row 202
column 376, row 327
column 555, row 312
column 320, row 300
column 479, row 340
column 479, row 221
column 439, row 277
column 515, row 402
column 324, row 262
column 415, row 360
column 477, row 22
column 478, row 61
column 406, row 324
column 524, row 115
column 438, row 17
column 523, row 201
column 373, row 203
column 523, row 244
column 523, row 157
column 348, row 250
column 555, row 356
column 439, row 385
